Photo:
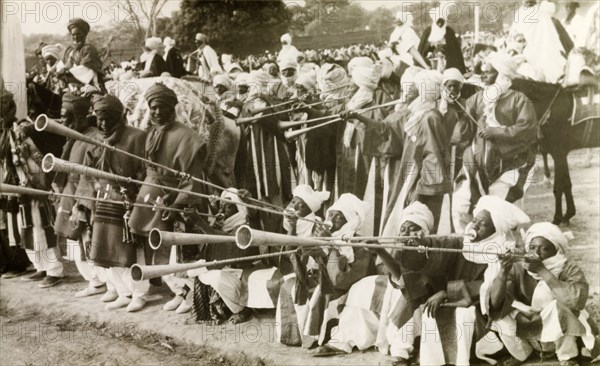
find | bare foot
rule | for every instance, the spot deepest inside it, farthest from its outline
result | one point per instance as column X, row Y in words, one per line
column 241, row 317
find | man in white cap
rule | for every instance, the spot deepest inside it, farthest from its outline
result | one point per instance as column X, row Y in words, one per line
column 288, row 51
column 541, row 302
column 51, row 54
column 404, row 41
column 203, row 62
column 501, row 126
column 152, row 62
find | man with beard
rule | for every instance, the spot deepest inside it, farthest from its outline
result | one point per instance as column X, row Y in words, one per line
column 113, row 249
column 500, row 126
column 172, row 144
column 74, row 113
column 82, row 59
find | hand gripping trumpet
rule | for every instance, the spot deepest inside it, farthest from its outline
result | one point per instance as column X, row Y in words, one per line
column 44, row 123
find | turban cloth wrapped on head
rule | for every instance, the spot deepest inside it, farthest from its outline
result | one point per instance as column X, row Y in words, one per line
column 313, row 199
column 452, row 74
column 52, row 50
column 161, row 92
column 286, row 38
column 108, row 103
column 419, row 214
column 201, row 37
column 79, row 103
column 223, row 80
column 359, row 62
column 550, row 232
column 505, row 215
column 288, row 64
column 307, row 80
column 503, row 63
column 240, row 217
column 153, row 43
column 429, row 84
column 79, row 23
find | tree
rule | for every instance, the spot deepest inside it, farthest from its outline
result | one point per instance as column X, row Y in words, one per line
column 238, row 27
column 141, row 17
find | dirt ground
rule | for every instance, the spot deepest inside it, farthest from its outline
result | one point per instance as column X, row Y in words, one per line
column 49, row 326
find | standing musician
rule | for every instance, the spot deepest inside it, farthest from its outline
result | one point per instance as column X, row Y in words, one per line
column 113, row 246
column 172, row 144
column 74, row 222
column 21, row 149
column 263, row 161
column 500, row 127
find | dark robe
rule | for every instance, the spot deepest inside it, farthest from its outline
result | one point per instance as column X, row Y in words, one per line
column 452, row 49
column 157, row 66
column 174, row 63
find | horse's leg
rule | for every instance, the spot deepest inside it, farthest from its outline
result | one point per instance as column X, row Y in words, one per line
column 562, row 186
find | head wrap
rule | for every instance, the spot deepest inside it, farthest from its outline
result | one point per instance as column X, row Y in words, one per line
column 201, row 37
column 452, row 74
column 313, row 199
column 80, row 104
column 420, row 214
column 239, row 218
column 366, row 77
column 429, row 83
column 223, row 80
column 354, row 210
column 330, row 79
column 437, row 33
column 288, row 64
column 52, row 50
column 548, row 8
column 286, row 38
column 153, row 43
column 503, row 63
column 107, row 102
column 387, row 67
column 226, row 58
column 410, row 74
column 78, row 23
column 243, row 78
column 550, row 232
column 161, row 92
column 505, row 215
column 169, row 42
column 359, row 61
column 232, row 68
column 308, row 81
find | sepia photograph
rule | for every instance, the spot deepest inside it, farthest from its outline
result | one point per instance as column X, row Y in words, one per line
column 299, row 182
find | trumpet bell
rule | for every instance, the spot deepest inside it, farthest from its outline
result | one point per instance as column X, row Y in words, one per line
column 243, row 237
column 48, row 163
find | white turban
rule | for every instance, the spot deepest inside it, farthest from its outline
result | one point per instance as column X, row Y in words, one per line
column 226, row 58
column 224, row 80
column 419, row 214
column 169, row 42
column 313, row 199
column 286, row 38
column 549, row 232
column 505, row 215
column 307, row 80
column 452, row 74
column 429, row 84
column 503, row 63
column 288, row 64
column 353, row 209
column 366, row 77
column 243, row 78
column 409, row 75
column 52, row 50
column 240, row 217
column 359, row 61
column 153, row 43
column 231, row 68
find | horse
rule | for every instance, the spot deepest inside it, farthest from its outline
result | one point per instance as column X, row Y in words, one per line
column 557, row 136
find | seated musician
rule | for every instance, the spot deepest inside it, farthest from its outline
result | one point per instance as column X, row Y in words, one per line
column 217, row 291
column 540, row 303
column 336, row 269
column 292, row 304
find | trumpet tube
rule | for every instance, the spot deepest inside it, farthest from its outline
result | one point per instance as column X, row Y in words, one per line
column 45, row 123
column 292, row 135
column 246, row 237
column 18, row 190
column 142, row 272
column 158, row 238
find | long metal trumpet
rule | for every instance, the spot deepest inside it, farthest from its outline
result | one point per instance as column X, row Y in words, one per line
column 291, row 135
column 44, row 123
column 9, row 189
column 142, row 272
column 50, row 163
column 246, row 237
column 158, row 238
